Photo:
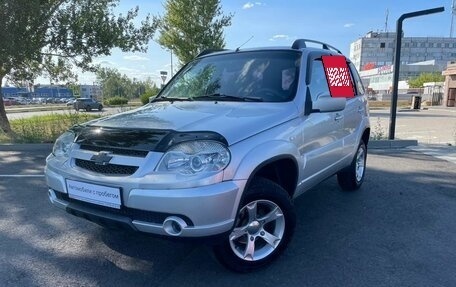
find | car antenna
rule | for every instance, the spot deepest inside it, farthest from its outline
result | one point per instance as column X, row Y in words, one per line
column 237, row 49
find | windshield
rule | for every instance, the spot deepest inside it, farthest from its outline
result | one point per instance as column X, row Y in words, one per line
column 262, row 76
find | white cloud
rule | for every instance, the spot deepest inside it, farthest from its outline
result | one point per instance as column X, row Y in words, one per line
column 279, row 37
column 135, row 58
column 126, row 70
column 248, row 5
column 105, row 63
column 349, row 25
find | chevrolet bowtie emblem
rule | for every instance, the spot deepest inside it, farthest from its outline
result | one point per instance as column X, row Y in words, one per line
column 102, row 158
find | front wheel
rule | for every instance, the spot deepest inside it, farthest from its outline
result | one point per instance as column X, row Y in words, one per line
column 352, row 177
column 264, row 225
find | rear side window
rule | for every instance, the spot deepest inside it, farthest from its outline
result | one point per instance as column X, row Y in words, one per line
column 338, row 75
column 357, row 80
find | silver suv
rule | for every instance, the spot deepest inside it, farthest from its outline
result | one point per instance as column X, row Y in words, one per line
column 221, row 152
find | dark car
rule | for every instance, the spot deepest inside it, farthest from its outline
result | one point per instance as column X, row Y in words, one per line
column 87, row 104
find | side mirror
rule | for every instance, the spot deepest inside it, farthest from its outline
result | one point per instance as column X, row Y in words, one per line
column 325, row 103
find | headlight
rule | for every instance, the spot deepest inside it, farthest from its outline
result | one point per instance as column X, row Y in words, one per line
column 195, row 157
column 63, row 144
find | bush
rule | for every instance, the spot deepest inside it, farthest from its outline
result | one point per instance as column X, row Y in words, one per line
column 116, row 101
column 145, row 97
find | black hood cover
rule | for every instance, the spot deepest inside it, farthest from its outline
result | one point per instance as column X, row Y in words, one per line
column 137, row 139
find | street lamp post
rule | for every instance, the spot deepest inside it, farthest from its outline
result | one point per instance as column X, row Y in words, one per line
column 171, row 50
column 397, row 63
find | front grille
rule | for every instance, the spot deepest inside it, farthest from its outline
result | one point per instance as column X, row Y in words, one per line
column 133, row 214
column 117, row 151
column 109, row 169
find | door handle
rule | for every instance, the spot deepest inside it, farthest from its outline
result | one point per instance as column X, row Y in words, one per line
column 360, row 110
column 338, row 117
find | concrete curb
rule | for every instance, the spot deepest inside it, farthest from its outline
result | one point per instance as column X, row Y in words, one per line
column 26, row 147
column 391, row 144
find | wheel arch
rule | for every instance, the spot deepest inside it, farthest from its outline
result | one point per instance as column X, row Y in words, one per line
column 281, row 169
column 276, row 160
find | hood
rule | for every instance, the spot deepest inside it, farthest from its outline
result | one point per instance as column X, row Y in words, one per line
column 233, row 120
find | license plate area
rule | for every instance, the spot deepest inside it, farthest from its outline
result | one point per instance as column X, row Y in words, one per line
column 94, row 193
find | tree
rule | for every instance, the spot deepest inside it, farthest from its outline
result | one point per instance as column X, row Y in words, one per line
column 191, row 26
column 114, row 84
column 51, row 37
column 418, row 82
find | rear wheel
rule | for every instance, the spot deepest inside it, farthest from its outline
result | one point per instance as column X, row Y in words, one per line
column 100, row 108
column 88, row 108
column 352, row 177
column 264, row 226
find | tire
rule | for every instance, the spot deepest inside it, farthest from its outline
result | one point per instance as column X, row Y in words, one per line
column 265, row 213
column 100, row 108
column 88, row 108
column 76, row 108
column 352, row 177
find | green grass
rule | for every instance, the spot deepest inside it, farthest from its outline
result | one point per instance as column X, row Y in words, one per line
column 43, row 129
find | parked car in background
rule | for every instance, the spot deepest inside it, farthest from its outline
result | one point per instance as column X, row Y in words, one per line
column 13, row 101
column 7, row 102
column 71, row 102
column 87, row 104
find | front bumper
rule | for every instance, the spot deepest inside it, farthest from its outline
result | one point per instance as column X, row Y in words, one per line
column 197, row 211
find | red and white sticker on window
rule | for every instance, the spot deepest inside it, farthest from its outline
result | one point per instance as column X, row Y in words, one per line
column 338, row 76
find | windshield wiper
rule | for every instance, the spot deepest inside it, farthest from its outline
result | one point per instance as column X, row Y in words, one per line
column 171, row 99
column 223, row 97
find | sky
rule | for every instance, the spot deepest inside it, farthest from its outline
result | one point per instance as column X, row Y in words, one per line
column 280, row 22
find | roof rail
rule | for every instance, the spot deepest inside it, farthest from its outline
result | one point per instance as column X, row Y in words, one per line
column 210, row 51
column 301, row 43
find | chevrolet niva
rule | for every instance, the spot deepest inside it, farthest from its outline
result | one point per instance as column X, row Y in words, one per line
column 222, row 151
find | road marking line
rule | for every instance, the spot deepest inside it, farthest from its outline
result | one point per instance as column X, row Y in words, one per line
column 21, row 175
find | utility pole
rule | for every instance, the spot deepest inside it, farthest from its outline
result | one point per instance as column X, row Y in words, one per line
column 453, row 13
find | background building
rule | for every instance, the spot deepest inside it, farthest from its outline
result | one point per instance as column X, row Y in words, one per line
column 449, row 98
column 376, row 49
column 373, row 56
column 41, row 91
column 381, row 79
column 91, row 91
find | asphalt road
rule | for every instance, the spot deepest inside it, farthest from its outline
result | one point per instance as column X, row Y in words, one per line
column 398, row 230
